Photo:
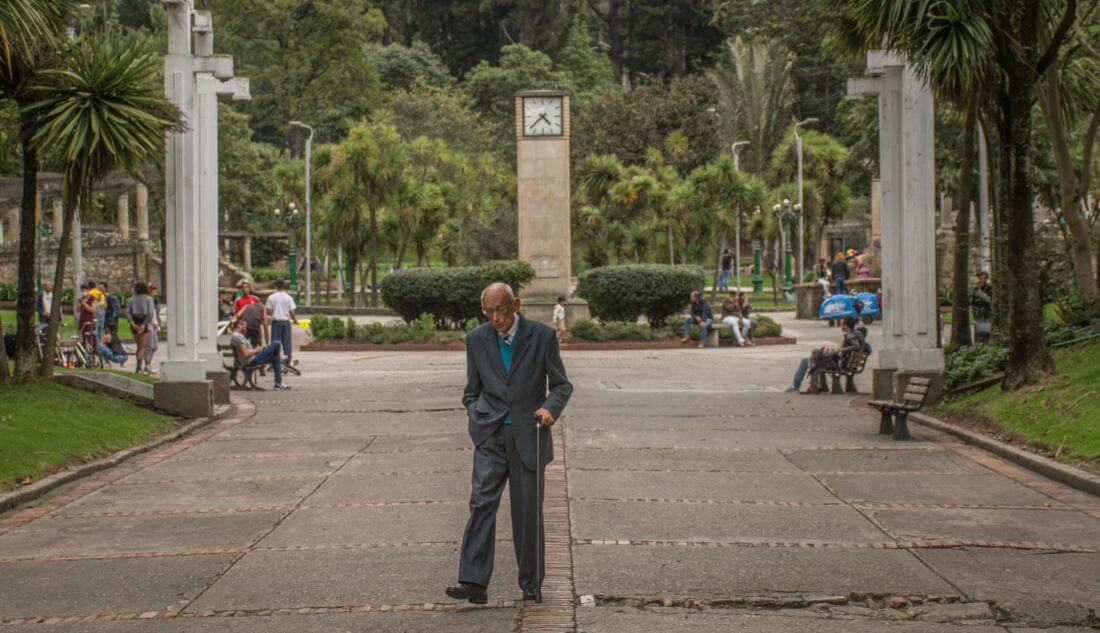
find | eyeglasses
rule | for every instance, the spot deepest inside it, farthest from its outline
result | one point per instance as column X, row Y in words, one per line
column 499, row 311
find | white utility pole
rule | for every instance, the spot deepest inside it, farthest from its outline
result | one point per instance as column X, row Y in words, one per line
column 801, row 221
column 737, row 226
column 309, row 220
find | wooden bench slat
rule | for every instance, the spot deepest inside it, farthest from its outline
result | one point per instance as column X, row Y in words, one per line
column 920, row 380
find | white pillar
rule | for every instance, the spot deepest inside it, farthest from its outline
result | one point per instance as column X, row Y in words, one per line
column 182, row 226
column 206, row 167
column 247, row 254
column 124, row 216
column 141, row 211
column 78, row 253
column 906, row 146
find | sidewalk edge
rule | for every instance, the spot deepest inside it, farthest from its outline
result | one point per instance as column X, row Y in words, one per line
column 43, row 486
column 1073, row 477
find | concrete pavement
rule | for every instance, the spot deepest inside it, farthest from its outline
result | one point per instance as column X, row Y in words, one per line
column 700, row 497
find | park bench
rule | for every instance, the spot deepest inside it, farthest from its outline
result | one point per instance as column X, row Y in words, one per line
column 895, row 413
column 240, row 377
column 853, row 364
column 712, row 333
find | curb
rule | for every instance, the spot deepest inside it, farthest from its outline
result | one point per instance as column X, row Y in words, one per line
column 39, row 488
column 1073, row 477
column 573, row 346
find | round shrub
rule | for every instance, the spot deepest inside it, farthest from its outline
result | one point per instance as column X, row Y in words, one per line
column 767, row 327
column 623, row 293
column 452, row 295
column 318, row 326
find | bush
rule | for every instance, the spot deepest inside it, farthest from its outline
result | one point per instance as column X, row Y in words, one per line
column 589, row 330
column 318, row 326
column 767, row 327
column 969, row 364
column 336, row 329
column 263, row 273
column 451, row 295
column 7, row 292
column 623, row 293
column 350, row 328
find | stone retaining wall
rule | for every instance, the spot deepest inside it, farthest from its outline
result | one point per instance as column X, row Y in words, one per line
column 118, row 262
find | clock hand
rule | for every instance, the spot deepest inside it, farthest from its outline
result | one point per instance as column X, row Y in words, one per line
column 542, row 117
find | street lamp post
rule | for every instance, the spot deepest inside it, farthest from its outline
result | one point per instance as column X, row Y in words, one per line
column 801, row 240
column 757, row 276
column 292, row 219
column 309, row 222
column 737, row 226
column 787, row 214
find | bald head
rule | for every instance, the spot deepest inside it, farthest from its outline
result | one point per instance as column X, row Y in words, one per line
column 499, row 304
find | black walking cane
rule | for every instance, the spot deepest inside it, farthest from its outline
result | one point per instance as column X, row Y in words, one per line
column 538, row 509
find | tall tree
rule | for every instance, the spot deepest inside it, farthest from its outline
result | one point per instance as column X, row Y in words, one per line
column 958, row 43
column 307, row 61
column 103, row 111
column 960, row 291
column 29, row 32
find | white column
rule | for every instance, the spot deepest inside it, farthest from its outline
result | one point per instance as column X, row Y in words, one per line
column 182, row 227
column 906, row 146
column 78, row 253
column 13, row 225
column 141, row 211
column 206, row 167
column 124, row 216
column 247, row 254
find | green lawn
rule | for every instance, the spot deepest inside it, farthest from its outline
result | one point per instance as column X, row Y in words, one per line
column 1063, row 412
column 45, row 427
column 68, row 326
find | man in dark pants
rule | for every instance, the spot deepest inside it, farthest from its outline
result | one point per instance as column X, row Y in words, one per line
column 515, row 387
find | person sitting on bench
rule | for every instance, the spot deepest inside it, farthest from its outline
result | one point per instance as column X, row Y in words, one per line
column 731, row 316
column 701, row 316
column 826, row 357
column 245, row 354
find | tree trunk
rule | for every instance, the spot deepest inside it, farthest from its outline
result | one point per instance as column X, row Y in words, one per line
column 25, row 317
column 402, row 246
column 1029, row 359
column 960, row 307
column 718, row 268
column 374, row 258
column 1069, row 192
column 45, row 370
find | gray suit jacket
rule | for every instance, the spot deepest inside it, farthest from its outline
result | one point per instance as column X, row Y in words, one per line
column 536, row 380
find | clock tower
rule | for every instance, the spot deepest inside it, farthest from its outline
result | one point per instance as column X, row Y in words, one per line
column 542, row 162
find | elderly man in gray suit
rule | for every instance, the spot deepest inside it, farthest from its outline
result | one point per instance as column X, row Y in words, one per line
column 515, row 388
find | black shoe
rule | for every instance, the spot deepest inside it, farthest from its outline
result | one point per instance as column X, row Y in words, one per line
column 533, row 594
column 476, row 594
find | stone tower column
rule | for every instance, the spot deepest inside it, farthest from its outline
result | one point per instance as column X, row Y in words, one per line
column 141, row 211
column 124, row 216
column 58, row 217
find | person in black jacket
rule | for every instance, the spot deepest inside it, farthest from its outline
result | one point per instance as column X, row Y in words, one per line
column 827, row 357
column 841, row 274
column 701, row 315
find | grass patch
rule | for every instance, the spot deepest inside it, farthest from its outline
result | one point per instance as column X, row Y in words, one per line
column 1063, row 412
column 45, row 427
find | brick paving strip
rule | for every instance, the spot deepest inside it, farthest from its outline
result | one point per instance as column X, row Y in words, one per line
column 93, row 482
column 557, row 613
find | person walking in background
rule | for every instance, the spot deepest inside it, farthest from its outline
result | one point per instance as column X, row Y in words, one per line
column 981, row 308
column 154, row 331
column 140, row 312
column 724, row 275
column 45, row 303
column 280, row 309
column 559, row 320
column 100, row 309
column 841, row 274
column 701, row 315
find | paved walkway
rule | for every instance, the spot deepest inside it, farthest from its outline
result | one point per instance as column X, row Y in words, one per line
column 700, row 497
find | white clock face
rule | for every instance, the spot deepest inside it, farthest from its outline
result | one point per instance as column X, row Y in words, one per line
column 542, row 116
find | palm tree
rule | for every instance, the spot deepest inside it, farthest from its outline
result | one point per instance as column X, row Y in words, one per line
column 375, row 157
column 720, row 191
column 103, row 111
column 28, row 43
column 1006, row 47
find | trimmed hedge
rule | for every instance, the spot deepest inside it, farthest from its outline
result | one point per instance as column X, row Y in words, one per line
column 624, row 293
column 453, row 295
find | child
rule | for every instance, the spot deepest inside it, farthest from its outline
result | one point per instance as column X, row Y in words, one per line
column 559, row 320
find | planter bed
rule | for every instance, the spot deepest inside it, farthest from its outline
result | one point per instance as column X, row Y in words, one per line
column 576, row 345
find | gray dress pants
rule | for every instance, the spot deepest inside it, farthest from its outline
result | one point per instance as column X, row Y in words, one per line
column 497, row 461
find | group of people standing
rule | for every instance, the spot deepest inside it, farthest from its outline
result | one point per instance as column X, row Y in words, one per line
column 837, row 274
column 255, row 321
